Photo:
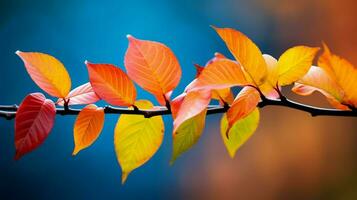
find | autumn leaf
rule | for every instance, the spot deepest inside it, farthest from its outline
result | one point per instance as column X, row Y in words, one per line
column 240, row 132
column 318, row 80
column 162, row 99
column 188, row 134
column 152, row 65
column 137, row 138
column 111, row 84
column 245, row 102
column 221, row 74
column 193, row 103
column 294, row 64
column 47, row 72
column 34, row 121
column 246, row 53
column 268, row 88
column 87, row 127
column 176, row 103
column 224, row 95
column 189, row 113
column 343, row 72
column 82, row 95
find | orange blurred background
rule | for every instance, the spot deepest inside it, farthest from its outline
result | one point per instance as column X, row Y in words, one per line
column 292, row 155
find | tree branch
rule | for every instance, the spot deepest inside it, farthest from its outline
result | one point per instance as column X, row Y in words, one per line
column 9, row 111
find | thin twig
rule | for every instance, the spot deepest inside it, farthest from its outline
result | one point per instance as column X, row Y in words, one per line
column 9, row 111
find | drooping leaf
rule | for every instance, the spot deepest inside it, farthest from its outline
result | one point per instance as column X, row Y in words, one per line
column 193, row 103
column 111, row 84
column 187, row 134
column 318, row 80
column 152, row 65
column 245, row 102
column 47, row 72
column 240, row 132
column 34, row 121
column 87, row 127
column 294, row 63
column 343, row 72
column 221, row 74
column 81, row 95
column 137, row 138
column 189, row 113
column 246, row 53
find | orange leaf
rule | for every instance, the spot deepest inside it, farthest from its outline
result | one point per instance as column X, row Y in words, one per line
column 245, row 102
column 152, row 65
column 221, row 74
column 111, row 84
column 343, row 72
column 193, row 103
column 224, row 95
column 162, row 98
column 318, row 80
column 34, row 121
column 87, row 127
column 83, row 94
column 246, row 53
column 47, row 72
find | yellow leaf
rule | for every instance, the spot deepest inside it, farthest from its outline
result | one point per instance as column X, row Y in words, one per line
column 268, row 87
column 137, row 138
column 240, row 132
column 187, row 134
column 47, row 72
column 87, row 127
column 246, row 53
column 295, row 63
column 343, row 72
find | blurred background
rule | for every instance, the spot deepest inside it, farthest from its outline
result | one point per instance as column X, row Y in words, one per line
column 291, row 155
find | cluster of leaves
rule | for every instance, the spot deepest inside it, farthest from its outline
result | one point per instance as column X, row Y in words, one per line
column 154, row 67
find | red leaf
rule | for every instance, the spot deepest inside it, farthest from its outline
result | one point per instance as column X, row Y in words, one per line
column 83, row 94
column 34, row 121
column 111, row 84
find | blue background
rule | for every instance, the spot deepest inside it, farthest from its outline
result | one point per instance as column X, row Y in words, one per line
column 74, row 31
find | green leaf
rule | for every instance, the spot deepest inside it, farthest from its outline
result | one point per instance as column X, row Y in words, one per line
column 187, row 135
column 240, row 131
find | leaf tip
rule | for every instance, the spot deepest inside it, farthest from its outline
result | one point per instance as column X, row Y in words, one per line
column 18, row 52
column 75, row 151
column 18, row 155
column 231, row 154
column 172, row 161
column 124, row 177
column 214, row 27
column 130, row 37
